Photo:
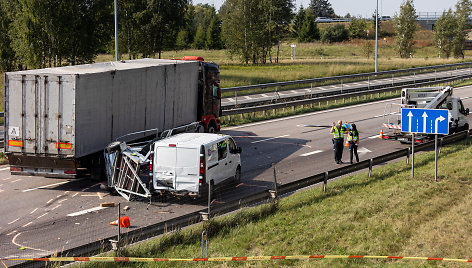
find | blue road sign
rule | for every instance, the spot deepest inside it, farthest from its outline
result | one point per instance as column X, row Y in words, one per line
column 426, row 121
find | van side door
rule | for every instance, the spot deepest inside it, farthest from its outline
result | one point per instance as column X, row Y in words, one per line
column 234, row 157
column 223, row 160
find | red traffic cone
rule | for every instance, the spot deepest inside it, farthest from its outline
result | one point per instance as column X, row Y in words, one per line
column 124, row 222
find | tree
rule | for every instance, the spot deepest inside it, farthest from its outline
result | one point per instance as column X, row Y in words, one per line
column 213, row 34
column 405, row 28
column 7, row 54
column 309, row 30
column 357, row 27
column 199, row 40
column 367, row 49
column 182, row 40
column 444, row 31
column 336, row 33
column 322, row 8
column 298, row 21
column 463, row 10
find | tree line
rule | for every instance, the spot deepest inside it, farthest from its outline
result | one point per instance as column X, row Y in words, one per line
column 48, row 33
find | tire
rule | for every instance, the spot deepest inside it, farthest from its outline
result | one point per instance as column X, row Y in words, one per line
column 237, row 176
column 212, row 128
column 113, row 147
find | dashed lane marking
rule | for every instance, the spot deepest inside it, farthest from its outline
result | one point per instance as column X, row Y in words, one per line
column 16, row 180
column 268, row 139
column 7, row 179
column 75, row 194
column 12, row 232
column 42, row 215
column 34, row 210
column 264, row 95
column 85, row 211
column 247, row 98
column 29, row 223
column 45, row 186
column 13, row 221
column 50, row 200
column 5, row 168
column 311, row 153
column 56, row 207
column 62, row 200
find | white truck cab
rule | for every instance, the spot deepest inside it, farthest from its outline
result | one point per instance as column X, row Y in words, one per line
column 187, row 163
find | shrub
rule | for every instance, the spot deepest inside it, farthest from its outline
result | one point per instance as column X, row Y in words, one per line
column 336, row 33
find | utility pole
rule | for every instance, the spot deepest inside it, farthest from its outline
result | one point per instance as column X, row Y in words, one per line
column 377, row 37
column 116, row 32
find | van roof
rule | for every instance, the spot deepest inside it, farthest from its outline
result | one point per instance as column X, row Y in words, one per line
column 102, row 67
column 192, row 140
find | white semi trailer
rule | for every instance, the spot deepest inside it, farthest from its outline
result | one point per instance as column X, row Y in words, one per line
column 59, row 120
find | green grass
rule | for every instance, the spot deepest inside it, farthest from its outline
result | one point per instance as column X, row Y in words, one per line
column 387, row 214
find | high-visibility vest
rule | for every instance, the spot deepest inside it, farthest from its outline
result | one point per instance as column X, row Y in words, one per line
column 338, row 133
column 351, row 136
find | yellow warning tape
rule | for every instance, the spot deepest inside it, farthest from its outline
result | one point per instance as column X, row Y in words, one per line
column 224, row 259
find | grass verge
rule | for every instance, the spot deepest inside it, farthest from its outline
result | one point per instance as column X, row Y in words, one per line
column 387, row 214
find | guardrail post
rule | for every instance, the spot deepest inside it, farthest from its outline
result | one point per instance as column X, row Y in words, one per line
column 325, row 181
column 274, row 192
column 408, row 156
column 235, row 99
column 205, row 239
column 368, row 82
column 371, row 161
column 392, row 80
column 467, row 136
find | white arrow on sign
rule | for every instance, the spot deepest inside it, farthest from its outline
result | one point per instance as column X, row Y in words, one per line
column 410, row 115
column 436, row 122
column 425, row 116
column 363, row 150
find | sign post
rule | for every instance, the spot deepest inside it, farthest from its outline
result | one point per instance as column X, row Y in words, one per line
column 425, row 121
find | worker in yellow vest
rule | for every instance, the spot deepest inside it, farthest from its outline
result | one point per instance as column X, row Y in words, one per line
column 338, row 131
column 353, row 140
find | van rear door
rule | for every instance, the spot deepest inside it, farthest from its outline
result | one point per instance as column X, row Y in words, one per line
column 177, row 168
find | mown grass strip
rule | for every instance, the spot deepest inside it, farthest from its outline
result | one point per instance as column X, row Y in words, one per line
column 389, row 214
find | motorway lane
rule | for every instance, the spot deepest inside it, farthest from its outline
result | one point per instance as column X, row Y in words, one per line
column 268, row 96
column 37, row 219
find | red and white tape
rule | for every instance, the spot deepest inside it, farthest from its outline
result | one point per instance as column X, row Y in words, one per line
column 224, row 259
column 392, row 126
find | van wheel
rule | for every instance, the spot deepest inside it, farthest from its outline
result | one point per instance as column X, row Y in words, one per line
column 237, row 176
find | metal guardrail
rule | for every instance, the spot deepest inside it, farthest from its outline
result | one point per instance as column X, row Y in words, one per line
column 194, row 217
column 345, row 77
column 339, row 96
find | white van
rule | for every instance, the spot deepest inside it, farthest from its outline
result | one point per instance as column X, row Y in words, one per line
column 185, row 164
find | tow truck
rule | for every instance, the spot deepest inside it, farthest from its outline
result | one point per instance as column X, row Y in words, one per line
column 425, row 98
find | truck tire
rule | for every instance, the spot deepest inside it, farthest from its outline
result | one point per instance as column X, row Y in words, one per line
column 237, row 176
column 113, row 147
column 211, row 127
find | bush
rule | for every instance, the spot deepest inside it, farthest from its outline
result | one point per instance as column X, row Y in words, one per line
column 336, row 33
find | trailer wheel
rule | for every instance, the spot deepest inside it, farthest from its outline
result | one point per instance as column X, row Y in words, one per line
column 113, row 147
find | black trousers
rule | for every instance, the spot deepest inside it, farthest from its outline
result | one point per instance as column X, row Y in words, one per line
column 338, row 149
column 353, row 149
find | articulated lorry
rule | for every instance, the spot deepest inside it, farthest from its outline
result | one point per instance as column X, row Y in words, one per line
column 424, row 98
column 59, row 120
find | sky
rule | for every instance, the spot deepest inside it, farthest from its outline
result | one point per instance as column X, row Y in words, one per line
column 366, row 8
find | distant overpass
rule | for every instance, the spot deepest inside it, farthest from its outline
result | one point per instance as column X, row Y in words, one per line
column 429, row 19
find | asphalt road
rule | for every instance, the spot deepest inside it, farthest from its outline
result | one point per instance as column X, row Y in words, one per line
column 297, row 93
column 42, row 216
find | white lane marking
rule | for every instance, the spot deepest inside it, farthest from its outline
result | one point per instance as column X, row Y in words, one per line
column 294, row 91
column 6, row 179
column 229, row 100
column 62, row 200
column 5, row 168
column 311, row 153
column 50, row 200
column 75, row 194
column 248, row 98
column 56, row 207
column 22, row 246
column 34, row 210
column 374, row 137
column 85, row 211
column 264, row 95
column 10, row 233
column 13, row 221
column 27, row 224
column 16, row 180
column 100, row 195
column 45, row 186
column 85, row 189
column 363, row 150
column 42, row 215
column 1, row 190
column 309, row 114
column 268, row 139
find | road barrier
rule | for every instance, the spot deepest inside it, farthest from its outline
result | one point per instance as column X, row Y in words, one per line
column 265, row 195
column 347, row 77
column 293, row 104
column 228, row 259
